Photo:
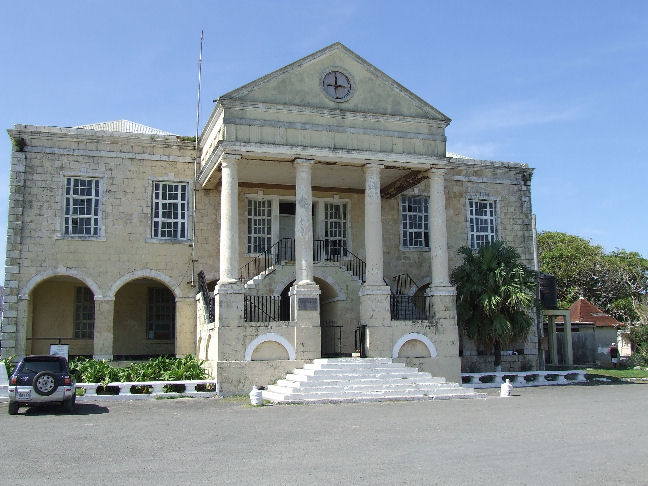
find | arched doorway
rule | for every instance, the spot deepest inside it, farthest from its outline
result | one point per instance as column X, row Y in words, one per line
column 62, row 312
column 145, row 320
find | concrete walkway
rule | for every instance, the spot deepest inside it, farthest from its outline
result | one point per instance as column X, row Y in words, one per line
column 546, row 435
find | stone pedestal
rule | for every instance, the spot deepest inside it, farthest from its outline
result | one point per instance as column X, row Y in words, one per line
column 305, row 313
column 375, row 314
column 230, row 322
column 103, row 329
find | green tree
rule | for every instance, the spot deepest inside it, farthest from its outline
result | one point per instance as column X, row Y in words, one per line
column 616, row 282
column 495, row 296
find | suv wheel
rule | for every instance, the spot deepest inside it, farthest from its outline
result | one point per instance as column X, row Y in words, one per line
column 13, row 408
column 45, row 383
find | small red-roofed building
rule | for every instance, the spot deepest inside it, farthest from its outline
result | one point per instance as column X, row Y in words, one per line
column 593, row 332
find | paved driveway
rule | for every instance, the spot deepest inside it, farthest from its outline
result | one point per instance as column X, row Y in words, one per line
column 546, row 435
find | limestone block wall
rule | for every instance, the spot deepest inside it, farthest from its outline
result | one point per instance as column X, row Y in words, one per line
column 127, row 165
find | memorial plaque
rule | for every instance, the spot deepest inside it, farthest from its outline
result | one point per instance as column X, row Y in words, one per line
column 307, row 304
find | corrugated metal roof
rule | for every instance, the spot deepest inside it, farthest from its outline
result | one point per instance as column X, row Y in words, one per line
column 124, row 126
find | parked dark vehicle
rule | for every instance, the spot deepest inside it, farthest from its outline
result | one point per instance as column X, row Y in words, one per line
column 41, row 379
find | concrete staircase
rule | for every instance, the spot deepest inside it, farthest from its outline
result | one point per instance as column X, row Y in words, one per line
column 330, row 380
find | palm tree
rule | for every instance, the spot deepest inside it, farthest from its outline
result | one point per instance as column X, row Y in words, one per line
column 495, row 296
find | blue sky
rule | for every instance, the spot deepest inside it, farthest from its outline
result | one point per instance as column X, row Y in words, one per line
column 561, row 86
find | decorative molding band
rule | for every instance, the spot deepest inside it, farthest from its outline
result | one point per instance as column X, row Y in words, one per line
column 335, row 129
column 108, row 154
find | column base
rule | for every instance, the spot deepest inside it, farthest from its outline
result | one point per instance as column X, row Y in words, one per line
column 102, row 357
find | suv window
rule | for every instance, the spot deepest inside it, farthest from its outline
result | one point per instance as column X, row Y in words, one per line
column 38, row 366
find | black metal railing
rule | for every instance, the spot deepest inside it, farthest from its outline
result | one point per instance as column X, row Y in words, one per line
column 361, row 340
column 404, row 283
column 208, row 297
column 282, row 250
column 349, row 261
column 261, row 308
column 409, row 308
column 323, row 250
column 331, row 339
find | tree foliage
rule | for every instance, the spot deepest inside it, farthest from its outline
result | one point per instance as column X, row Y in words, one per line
column 495, row 296
column 616, row 282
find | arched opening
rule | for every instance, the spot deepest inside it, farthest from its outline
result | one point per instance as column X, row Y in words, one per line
column 269, row 351
column 144, row 321
column 62, row 312
column 414, row 348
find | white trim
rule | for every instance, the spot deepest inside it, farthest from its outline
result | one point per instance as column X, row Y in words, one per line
column 414, row 336
column 170, row 179
column 270, row 336
column 60, row 271
column 484, row 197
column 146, row 273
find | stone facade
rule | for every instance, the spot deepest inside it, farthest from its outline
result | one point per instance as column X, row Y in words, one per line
column 320, row 155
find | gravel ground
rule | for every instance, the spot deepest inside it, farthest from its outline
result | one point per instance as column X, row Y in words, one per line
column 544, row 435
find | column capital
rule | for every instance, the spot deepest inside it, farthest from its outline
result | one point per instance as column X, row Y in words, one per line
column 372, row 165
column 436, row 172
column 304, row 162
column 229, row 159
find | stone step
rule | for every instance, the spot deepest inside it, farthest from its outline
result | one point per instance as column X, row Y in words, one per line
column 287, row 388
column 357, row 379
column 375, row 382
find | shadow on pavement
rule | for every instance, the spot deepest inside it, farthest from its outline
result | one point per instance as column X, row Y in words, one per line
column 79, row 409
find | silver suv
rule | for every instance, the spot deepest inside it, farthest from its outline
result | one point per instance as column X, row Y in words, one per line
column 41, row 379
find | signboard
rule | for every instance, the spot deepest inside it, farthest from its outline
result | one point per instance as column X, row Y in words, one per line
column 307, row 304
column 59, row 350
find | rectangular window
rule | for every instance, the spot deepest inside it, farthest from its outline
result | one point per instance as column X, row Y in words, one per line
column 335, row 228
column 84, row 313
column 481, row 222
column 259, row 225
column 81, row 207
column 170, row 210
column 160, row 315
column 415, row 231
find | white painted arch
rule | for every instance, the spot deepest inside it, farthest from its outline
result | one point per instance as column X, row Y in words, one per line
column 414, row 336
column 146, row 273
column 59, row 272
column 270, row 336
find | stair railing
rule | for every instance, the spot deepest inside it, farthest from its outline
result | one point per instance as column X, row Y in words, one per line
column 404, row 283
column 282, row 250
column 209, row 301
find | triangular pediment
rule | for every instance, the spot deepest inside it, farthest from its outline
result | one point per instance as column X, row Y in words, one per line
column 301, row 84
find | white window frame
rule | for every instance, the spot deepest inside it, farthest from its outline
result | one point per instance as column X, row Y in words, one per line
column 257, row 222
column 407, row 226
column 181, row 220
column 482, row 228
column 330, row 239
column 69, row 200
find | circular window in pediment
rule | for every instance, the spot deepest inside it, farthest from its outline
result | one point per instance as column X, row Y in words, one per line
column 337, row 85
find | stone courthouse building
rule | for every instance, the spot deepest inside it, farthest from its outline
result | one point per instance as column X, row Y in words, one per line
column 320, row 215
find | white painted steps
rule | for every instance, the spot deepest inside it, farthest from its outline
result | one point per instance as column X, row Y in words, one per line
column 362, row 380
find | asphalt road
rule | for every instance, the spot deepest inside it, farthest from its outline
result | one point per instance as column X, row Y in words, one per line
column 546, row 435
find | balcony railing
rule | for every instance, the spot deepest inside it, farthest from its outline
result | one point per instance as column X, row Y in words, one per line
column 409, row 308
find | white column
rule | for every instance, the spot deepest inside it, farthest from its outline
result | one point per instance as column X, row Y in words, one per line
column 373, row 226
column 229, row 245
column 303, row 223
column 438, row 231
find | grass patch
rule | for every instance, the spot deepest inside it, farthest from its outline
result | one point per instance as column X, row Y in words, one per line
column 617, row 373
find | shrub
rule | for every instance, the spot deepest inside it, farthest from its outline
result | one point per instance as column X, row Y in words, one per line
column 162, row 368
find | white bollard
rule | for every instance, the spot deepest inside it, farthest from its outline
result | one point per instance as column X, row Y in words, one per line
column 506, row 389
column 256, row 397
